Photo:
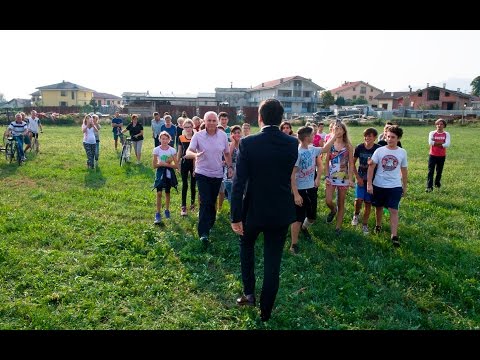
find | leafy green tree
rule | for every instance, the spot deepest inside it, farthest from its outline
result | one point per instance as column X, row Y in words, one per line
column 340, row 101
column 476, row 86
column 359, row 101
column 327, row 98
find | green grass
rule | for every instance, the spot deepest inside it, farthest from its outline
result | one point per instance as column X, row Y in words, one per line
column 78, row 250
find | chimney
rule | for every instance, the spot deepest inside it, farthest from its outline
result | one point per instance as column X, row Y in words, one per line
column 410, row 88
column 281, row 80
column 231, row 85
column 391, row 94
column 458, row 89
column 148, row 93
column 263, row 85
column 444, row 84
column 428, row 85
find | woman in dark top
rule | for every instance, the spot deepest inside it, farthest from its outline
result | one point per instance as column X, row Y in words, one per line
column 136, row 134
column 186, row 166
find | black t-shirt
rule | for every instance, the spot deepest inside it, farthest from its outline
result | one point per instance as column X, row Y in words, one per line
column 362, row 153
column 134, row 130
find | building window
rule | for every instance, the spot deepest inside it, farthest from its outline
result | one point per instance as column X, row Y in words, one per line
column 297, row 83
column 297, row 93
column 371, row 89
column 363, row 89
column 420, row 94
column 354, row 97
column 385, row 106
column 433, row 94
column 84, row 94
column 287, row 104
column 370, row 98
column 63, row 93
column 447, row 93
column 108, row 102
column 73, row 95
column 206, row 102
column 307, row 93
column 63, row 103
column 362, row 97
column 285, row 93
column 353, row 89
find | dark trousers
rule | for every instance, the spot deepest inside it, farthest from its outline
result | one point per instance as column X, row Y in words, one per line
column 433, row 161
column 156, row 142
column 187, row 167
column 274, row 240
column 208, row 189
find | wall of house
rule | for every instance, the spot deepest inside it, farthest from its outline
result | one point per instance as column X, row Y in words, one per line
column 54, row 97
column 422, row 101
column 348, row 93
column 388, row 102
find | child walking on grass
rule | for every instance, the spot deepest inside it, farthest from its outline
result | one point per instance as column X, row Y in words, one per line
column 165, row 179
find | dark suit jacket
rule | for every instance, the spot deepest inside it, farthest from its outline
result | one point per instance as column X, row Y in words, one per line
column 264, row 167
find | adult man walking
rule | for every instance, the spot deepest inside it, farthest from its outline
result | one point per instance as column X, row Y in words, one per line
column 262, row 201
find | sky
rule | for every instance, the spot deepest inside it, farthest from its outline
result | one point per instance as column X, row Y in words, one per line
column 192, row 61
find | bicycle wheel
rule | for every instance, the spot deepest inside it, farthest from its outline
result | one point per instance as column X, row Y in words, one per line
column 19, row 159
column 7, row 151
column 122, row 156
column 13, row 152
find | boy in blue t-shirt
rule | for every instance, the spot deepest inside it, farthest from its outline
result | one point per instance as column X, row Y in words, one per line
column 117, row 124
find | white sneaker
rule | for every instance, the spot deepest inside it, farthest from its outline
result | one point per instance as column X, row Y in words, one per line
column 365, row 229
column 355, row 220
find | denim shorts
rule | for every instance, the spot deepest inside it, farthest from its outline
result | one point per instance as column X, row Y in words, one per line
column 361, row 193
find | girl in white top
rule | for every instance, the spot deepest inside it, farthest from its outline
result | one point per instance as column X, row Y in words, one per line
column 89, row 142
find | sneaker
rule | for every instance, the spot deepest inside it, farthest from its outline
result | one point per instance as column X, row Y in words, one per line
column 306, row 233
column 167, row 214
column 355, row 220
column 378, row 229
column 24, row 158
column 158, row 218
column 428, row 190
column 294, row 249
column 365, row 229
column 395, row 241
column 184, row 211
column 192, row 207
column 330, row 217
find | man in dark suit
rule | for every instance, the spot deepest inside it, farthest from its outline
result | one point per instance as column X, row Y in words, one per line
column 262, row 201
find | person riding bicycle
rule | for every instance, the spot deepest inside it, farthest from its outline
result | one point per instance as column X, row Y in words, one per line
column 18, row 129
column 32, row 125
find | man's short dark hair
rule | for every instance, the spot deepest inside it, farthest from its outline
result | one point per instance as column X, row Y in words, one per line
column 371, row 131
column 222, row 114
column 303, row 132
column 271, row 111
column 155, row 113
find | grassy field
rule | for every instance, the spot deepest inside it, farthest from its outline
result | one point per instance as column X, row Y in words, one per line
column 78, row 250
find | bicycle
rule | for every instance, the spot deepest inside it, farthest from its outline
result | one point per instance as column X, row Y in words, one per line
column 126, row 151
column 12, row 151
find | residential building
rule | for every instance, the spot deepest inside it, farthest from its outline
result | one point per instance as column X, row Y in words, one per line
column 391, row 100
column 65, row 94
column 16, row 104
column 237, row 97
column 298, row 95
column 36, row 98
column 357, row 90
column 441, row 98
column 107, row 99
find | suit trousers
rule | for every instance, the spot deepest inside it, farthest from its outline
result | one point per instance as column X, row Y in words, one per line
column 208, row 189
column 274, row 241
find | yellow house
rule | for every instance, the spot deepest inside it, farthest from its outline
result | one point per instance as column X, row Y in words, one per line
column 65, row 94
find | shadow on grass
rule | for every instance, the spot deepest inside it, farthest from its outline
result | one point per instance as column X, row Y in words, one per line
column 6, row 168
column 94, row 178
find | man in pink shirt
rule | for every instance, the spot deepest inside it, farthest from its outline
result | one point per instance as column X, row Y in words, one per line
column 438, row 140
column 207, row 147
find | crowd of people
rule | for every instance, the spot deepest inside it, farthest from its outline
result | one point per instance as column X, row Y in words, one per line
column 271, row 178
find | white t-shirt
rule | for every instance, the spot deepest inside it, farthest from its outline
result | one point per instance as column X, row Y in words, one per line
column 33, row 125
column 163, row 155
column 389, row 162
column 305, row 175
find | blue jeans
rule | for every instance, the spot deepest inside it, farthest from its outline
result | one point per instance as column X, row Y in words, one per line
column 19, row 140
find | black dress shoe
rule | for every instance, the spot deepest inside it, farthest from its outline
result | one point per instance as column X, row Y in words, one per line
column 246, row 300
column 264, row 317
